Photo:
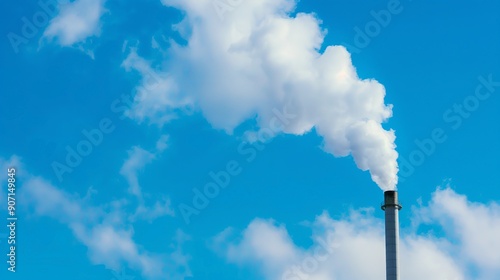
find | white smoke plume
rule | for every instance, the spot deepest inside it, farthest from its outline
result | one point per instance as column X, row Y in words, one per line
column 245, row 58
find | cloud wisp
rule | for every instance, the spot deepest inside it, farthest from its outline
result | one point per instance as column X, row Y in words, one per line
column 76, row 21
column 107, row 230
column 352, row 247
column 137, row 159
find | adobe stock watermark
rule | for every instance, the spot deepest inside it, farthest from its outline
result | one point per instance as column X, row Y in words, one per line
column 381, row 19
column 222, row 7
column 94, row 137
column 32, row 25
column 312, row 262
column 454, row 117
column 221, row 179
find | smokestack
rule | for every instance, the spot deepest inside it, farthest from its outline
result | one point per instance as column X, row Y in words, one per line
column 391, row 207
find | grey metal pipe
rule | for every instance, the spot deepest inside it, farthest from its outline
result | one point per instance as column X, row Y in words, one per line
column 391, row 207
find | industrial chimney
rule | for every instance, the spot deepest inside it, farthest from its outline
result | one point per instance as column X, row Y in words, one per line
column 391, row 207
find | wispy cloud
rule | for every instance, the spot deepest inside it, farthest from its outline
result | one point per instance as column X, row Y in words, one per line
column 475, row 226
column 107, row 230
column 109, row 243
column 343, row 246
column 137, row 159
column 157, row 96
column 76, row 22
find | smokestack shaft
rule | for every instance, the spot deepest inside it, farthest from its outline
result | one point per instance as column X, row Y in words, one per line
column 391, row 207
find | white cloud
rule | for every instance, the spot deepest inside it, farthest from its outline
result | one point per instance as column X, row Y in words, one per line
column 179, row 266
column 137, row 159
column 352, row 248
column 76, row 22
column 157, row 97
column 160, row 208
column 475, row 226
column 260, row 57
column 270, row 245
column 162, row 143
column 110, row 244
column 106, row 229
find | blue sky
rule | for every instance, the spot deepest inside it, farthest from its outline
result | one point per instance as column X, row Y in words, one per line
column 116, row 114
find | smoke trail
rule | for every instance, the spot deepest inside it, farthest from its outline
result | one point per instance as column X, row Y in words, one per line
column 242, row 61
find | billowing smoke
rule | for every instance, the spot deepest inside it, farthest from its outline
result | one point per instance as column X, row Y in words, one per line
column 245, row 59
